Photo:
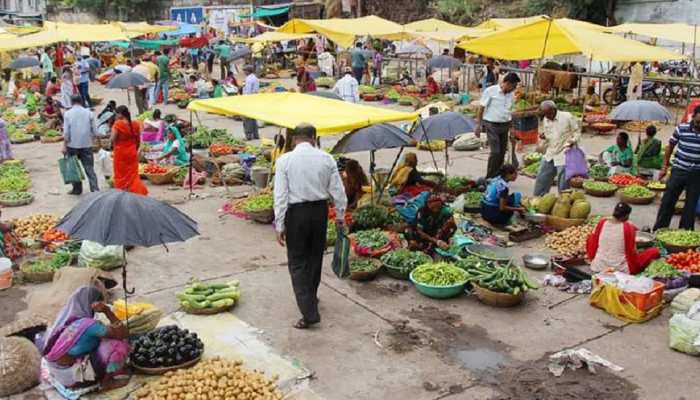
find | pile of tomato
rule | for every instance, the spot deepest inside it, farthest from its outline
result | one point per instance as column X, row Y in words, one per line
column 220, row 149
column 686, row 261
column 626, row 180
column 155, row 169
column 54, row 235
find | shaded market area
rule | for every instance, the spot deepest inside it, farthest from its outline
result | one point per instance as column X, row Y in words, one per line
column 518, row 210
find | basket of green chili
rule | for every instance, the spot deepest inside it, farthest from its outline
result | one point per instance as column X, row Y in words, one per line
column 439, row 280
column 42, row 269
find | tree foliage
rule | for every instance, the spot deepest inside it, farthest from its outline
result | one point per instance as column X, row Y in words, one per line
column 100, row 7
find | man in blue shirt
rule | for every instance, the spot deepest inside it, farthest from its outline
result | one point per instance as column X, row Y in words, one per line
column 685, row 174
column 84, row 82
column 357, row 57
column 79, row 130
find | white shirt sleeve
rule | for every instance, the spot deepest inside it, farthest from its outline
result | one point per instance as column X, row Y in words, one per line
column 337, row 190
column 485, row 98
column 355, row 90
column 281, row 193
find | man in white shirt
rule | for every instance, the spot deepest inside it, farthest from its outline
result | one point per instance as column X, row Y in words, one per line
column 494, row 116
column 560, row 131
column 305, row 180
column 251, row 86
column 347, row 87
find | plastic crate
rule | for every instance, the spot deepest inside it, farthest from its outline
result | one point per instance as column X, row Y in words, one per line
column 642, row 301
column 528, row 137
column 526, row 123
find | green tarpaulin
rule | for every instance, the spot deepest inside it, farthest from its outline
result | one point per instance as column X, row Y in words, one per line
column 144, row 44
column 261, row 12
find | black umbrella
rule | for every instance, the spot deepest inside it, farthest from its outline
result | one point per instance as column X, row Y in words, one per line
column 443, row 61
column 116, row 217
column 371, row 138
column 325, row 94
column 240, row 52
column 126, row 80
column 24, row 62
column 443, row 126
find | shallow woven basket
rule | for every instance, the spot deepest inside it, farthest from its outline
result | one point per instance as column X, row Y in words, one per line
column 576, row 182
column 54, row 139
column 16, row 203
column 21, row 365
column 161, row 179
column 600, row 193
column 21, row 141
column 367, row 275
column 560, row 224
column 263, row 217
column 163, row 370
column 637, row 200
column 497, row 299
column 35, row 277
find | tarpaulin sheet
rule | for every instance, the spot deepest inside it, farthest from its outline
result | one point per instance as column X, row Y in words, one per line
column 346, row 31
column 675, row 32
column 290, row 109
column 144, row 27
column 548, row 38
column 505, row 23
column 194, row 43
column 273, row 36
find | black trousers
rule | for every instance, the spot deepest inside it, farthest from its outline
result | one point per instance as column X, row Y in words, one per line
column 306, row 241
column 679, row 181
column 87, row 159
column 497, row 136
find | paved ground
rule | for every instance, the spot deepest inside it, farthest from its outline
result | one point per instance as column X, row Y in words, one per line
column 382, row 340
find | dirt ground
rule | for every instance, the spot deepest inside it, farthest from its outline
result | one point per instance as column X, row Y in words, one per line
column 381, row 339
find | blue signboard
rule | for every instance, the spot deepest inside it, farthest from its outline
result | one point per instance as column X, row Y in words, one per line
column 188, row 15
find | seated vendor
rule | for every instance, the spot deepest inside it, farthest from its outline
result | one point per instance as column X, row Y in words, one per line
column 354, row 179
column 498, row 205
column 649, row 155
column 174, row 149
column 80, row 350
column 406, row 79
column 432, row 87
column 613, row 245
column 51, row 114
column 591, row 101
column 620, row 157
column 407, row 179
column 434, row 226
column 218, row 89
column 153, row 129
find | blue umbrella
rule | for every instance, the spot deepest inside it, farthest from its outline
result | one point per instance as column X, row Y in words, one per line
column 240, row 52
column 640, row 110
column 371, row 138
column 443, row 126
column 444, row 61
column 126, row 80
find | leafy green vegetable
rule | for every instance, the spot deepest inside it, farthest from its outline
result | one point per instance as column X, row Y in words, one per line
column 405, row 260
column 599, row 171
column 370, row 217
column 259, row 202
column 533, row 157
column 532, row 169
column 457, row 182
column 439, row 274
column 13, row 178
column 362, row 265
column 661, row 269
column 472, row 199
column 373, row 239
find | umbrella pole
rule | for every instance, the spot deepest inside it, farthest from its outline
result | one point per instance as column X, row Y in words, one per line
column 546, row 39
column 125, row 289
column 190, row 164
column 391, row 172
column 425, row 137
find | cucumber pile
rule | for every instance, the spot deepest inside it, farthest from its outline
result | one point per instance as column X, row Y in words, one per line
column 496, row 277
column 200, row 296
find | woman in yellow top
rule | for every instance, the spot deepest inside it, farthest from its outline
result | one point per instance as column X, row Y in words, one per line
column 278, row 150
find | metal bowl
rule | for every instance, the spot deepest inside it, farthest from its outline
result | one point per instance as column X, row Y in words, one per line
column 536, row 261
column 645, row 239
column 536, row 218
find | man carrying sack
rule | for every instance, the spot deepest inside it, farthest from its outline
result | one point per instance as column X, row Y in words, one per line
column 79, row 131
column 305, row 179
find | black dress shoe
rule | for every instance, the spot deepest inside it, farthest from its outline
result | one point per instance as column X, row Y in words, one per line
column 72, row 193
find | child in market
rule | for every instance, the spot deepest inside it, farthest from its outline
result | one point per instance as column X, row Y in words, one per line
column 498, row 205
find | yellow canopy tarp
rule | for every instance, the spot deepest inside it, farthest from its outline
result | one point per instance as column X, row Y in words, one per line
column 144, row 27
column 441, row 31
column 563, row 36
column 22, row 30
column 290, row 109
column 505, row 23
column 39, row 39
column 346, row 31
column 683, row 33
column 86, row 32
column 273, row 36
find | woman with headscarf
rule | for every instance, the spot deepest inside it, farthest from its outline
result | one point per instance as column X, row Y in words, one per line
column 407, row 179
column 174, row 149
column 126, row 139
column 650, row 157
column 153, row 129
column 80, row 350
column 67, row 88
column 433, row 228
column 432, row 87
column 5, row 145
column 354, row 179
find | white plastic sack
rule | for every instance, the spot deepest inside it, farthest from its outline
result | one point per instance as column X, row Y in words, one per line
column 683, row 334
column 458, row 204
column 102, row 257
column 682, row 303
column 466, row 142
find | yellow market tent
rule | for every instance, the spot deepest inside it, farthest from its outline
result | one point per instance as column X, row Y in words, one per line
column 346, row 31
column 547, row 38
column 505, row 23
column 22, row 30
column 432, row 25
column 39, row 39
column 273, row 36
column 290, row 109
column 441, row 31
column 683, row 33
column 144, row 27
column 87, row 32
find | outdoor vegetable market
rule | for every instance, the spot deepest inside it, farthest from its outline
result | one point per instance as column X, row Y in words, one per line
column 272, row 207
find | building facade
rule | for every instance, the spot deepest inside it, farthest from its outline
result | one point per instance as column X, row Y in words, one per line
column 23, row 7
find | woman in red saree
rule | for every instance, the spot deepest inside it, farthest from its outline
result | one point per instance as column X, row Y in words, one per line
column 126, row 138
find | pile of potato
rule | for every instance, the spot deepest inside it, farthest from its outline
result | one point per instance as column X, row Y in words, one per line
column 33, row 226
column 213, row 379
column 571, row 241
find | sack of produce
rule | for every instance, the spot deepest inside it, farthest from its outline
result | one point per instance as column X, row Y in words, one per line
column 209, row 298
column 683, row 331
column 681, row 304
column 466, row 142
column 95, row 255
column 19, row 365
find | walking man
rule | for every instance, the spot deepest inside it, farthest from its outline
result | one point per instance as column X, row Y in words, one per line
column 46, row 68
column 84, row 80
column 251, row 86
column 163, row 63
column 347, row 87
column 79, row 130
column 685, row 174
column 560, row 132
column 305, row 180
column 357, row 58
column 223, row 50
column 494, row 117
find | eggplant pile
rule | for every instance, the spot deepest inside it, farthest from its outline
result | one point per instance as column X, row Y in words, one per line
column 166, row 346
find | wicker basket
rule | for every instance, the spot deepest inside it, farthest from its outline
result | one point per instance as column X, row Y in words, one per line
column 24, row 326
column 562, row 223
column 497, row 299
column 577, row 182
column 367, row 275
column 677, row 249
column 23, row 140
column 35, row 277
column 163, row 370
column 161, row 179
column 16, row 203
column 600, row 193
column 21, row 365
column 262, row 217
column 639, row 201
column 54, row 139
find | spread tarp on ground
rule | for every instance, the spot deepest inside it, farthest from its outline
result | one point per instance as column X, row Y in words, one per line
column 683, row 33
column 346, row 31
column 563, row 36
column 290, row 109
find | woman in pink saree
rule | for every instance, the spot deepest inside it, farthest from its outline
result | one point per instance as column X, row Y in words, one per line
column 82, row 351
